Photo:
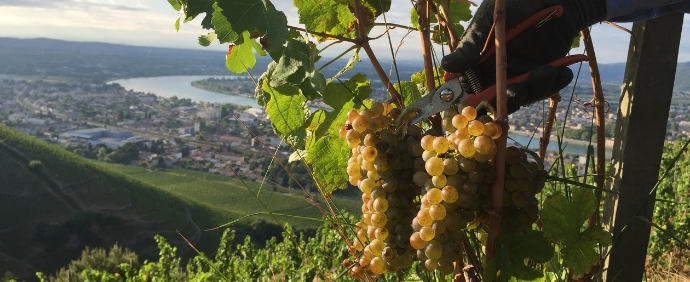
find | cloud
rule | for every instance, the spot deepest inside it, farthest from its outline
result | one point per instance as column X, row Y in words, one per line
column 68, row 5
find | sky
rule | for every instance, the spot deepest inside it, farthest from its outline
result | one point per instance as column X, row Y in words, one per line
column 151, row 23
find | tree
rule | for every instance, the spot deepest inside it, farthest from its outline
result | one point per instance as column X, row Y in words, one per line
column 102, row 153
column 36, row 165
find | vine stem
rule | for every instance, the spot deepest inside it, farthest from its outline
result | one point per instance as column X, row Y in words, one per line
column 423, row 8
column 363, row 40
column 601, row 137
column 502, row 119
column 544, row 140
column 447, row 22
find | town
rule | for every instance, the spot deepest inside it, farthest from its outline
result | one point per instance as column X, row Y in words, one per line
column 108, row 123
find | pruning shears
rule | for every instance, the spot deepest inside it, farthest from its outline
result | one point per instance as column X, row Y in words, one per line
column 465, row 87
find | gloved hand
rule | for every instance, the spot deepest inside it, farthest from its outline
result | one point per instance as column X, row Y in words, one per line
column 531, row 50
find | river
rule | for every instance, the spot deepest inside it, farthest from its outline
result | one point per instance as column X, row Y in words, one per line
column 180, row 86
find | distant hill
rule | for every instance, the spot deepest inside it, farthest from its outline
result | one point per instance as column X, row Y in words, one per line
column 612, row 75
column 50, row 214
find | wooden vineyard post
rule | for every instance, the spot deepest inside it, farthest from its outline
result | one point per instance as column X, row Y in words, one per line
column 639, row 138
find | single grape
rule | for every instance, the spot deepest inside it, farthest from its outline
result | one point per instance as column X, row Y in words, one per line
column 376, row 108
column 490, row 129
column 455, row 180
column 375, row 124
column 445, row 266
column 476, row 175
column 351, row 115
column 415, row 225
column 434, row 166
column 450, row 166
column 451, row 140
column 450, row 207
column 366, row 185
column 484, row 144
column 475, row 128
column 461, row 134
column 439, row 181
column 364, row 261
column 469, row 112
column 352, row 136
column 428, row 155
column 416, row 241
column 466, row 148
column 518, row 171
column 427, row 233
column 433, row 250
column 498, row 133
column 525, row 185
column 381, row 205
column 395, row 113
column 360, row 124
column 449, row 194
column 427, row 142
column 460, row 121
column 441, row 144
column 343, row 131
column 420, row 177
column 378, row 220
column 389, row 138
column 482, row 158
column 357, row 272
column 377, row 192
column 376, row 246
column 439, row 226
column 424, row 217
column 437, row 212
column 368, row 166
column 365, row 208
column 470, row 188
column 367, row 218
column 377, row 266
column 353, row 170
column 519, row 199
column 390, row 185
column 369, row 153
column 416, row 150
column 371, row 140
column 513, row 155
column 373, row 174
column 389, row 254
column 453, row 221
column 394, row 215
column 367, row 113
column 414, row 131
column 447, row 124
column 450, row 112
column 434, row 196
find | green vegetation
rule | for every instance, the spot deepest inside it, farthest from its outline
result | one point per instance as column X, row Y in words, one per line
column 238, row 86
column 76, row 202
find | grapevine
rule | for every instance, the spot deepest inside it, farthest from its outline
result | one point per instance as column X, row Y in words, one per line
column 427, row 189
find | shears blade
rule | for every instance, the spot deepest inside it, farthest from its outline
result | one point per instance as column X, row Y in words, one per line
column 438, row 100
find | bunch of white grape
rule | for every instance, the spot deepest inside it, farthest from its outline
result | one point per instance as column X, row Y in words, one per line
column 523, row 180
column 376, row 167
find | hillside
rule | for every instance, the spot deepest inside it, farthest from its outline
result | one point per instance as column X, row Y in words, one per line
column 51, row 214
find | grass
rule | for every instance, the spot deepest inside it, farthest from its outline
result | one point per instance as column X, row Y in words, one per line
column 231, row 195
column 144, row 203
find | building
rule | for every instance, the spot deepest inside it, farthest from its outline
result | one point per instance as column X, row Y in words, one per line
column 147, row 99
column 16, row 116
column 185, row 130
column 209, row 114
column 247, row 118
column 684, row 126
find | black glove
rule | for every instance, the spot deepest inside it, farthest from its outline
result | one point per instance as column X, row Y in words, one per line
column 532, row 50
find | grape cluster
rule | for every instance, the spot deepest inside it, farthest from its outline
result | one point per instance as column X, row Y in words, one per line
column 421, row 190
column 523, row 180
column 377, row 168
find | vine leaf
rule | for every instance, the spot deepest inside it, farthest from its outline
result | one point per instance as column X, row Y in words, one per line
column 287, row 112
column 409, row 90
column 297, row 67
column 532, row 245
column 328, row 157
column 342, row 97
column 207, row 40
column 562, row 221
column 326, row 16
column 240, row 57
column 258, row 17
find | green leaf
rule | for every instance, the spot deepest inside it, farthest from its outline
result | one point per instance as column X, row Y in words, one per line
column 177, row 24
column 326, row 16
column 328, row 157
column 356, row 88
column 297, row 155
column 562, row 221
column 242, row 56
column 460, row 12
column 175, row 4
column 262, row 97
column 193, row 8
column 349, row 65
column 533, row 246
column 409, row 90
column 207, row 40
column 287, row 112
column 297, row 67
column 258, row 17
